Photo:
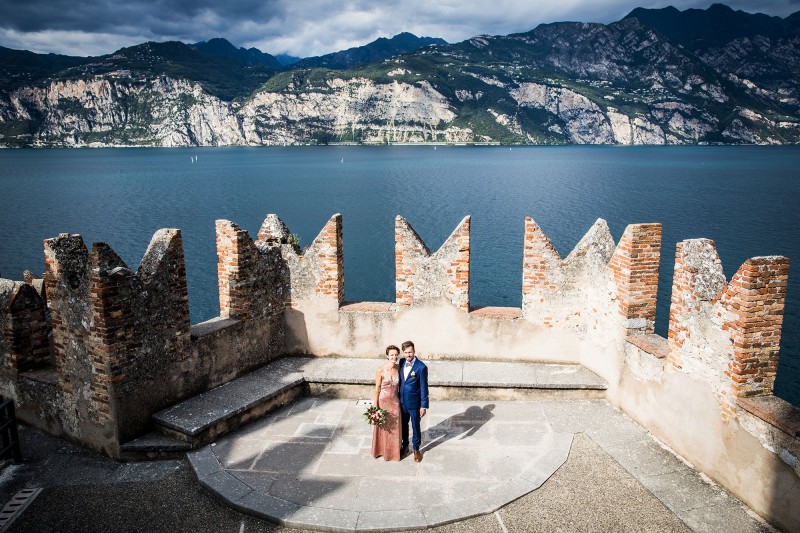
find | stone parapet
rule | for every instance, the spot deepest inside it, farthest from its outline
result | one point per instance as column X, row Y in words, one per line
column 250, row 279
column 316, row 273
column 422, row 277
column 24, row 343
column 573, row 293
column 727, row 334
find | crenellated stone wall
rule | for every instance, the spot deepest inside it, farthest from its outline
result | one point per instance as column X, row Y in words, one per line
column 114, row 332
column 597, row 283
column 23, row 327
column 313, row 274
column 250, row 278
column 423, row 277
column 573, row 293
column 123, row 346
column 120, row 346
column 707, row 390
column 727, row 334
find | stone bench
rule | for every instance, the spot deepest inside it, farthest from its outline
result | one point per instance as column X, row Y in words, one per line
column 202, row 418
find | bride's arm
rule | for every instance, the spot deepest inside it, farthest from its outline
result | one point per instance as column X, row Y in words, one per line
column 378, row 381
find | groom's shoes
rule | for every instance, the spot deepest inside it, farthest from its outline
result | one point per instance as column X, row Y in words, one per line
column 417, row 456
column 403, row 452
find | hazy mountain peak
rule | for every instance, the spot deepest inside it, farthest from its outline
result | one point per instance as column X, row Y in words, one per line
column 378, row 50
column 249, row 56
column 716, row 25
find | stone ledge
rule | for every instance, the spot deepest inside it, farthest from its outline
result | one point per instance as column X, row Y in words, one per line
column 774, row 411
column 511, row 313
column 212, row 326
column 462, row 374
column 154, row 442
column 368, row 307
column 655, row 345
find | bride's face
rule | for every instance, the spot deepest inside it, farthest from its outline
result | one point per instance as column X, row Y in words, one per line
column 393, row 356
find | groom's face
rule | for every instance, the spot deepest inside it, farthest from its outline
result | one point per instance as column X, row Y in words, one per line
column 409, row 353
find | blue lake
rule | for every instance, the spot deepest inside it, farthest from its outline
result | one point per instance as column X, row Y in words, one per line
column 744, row 198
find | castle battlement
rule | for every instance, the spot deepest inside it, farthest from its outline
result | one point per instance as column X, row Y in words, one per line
column 95, row 348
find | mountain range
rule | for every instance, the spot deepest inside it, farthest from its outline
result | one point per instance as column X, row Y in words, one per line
column 657, row 76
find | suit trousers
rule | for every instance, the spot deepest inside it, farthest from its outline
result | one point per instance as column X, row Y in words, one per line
column 411, row 415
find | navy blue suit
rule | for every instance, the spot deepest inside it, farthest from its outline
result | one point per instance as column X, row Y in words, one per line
column 413, row 397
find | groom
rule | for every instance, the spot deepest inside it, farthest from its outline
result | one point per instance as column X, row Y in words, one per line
column 413, row 397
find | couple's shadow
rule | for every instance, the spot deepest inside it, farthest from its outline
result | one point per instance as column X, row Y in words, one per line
column 457, row 427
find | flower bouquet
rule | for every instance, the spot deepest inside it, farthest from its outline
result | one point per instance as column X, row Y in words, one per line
column 375, row 416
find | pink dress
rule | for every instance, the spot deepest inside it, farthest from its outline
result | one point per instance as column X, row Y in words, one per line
column 386, row 439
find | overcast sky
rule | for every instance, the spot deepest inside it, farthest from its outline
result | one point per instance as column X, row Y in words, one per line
column 299, row 27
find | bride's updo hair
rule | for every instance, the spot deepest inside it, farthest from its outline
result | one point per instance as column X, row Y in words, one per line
column 392, row 347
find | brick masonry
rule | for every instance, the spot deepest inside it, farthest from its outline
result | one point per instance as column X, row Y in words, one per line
column 634, row 267
column 260, row 278
column 738, row 323
column 422, row 277
column 755, row 299
column 251, row 279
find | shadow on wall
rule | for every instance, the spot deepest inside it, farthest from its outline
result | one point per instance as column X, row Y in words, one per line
column 784, row 487
column 296, row 331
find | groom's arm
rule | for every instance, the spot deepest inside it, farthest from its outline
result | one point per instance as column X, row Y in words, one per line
column 423, row 388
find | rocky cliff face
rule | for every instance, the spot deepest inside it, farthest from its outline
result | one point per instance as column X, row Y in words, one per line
column 110, row 112
column 356, row 109
column 167, row 112
column 622, row 83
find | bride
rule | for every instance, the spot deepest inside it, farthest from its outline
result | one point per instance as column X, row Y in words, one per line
column 386, row 438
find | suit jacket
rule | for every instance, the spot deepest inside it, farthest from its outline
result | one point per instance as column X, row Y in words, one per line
column 414, row 390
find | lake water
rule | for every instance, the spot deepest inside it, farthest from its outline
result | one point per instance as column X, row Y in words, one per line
column 745, row 198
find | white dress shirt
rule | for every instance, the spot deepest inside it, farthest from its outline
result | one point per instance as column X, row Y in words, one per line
column 407, row 369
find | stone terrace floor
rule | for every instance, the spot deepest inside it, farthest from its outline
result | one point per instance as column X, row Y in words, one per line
column 615, row 478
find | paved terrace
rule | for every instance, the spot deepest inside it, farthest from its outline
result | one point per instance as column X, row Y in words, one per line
column 547, row 459
column 615, row 478
column 308, row 466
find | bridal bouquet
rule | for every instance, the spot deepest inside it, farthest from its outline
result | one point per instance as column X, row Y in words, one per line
column 375, row 416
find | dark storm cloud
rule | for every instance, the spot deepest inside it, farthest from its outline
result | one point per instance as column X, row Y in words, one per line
column 109, row 16
column 300, row 27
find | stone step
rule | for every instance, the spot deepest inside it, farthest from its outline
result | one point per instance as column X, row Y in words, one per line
column 204, row 417
column 153, row 446
column 201, row 419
